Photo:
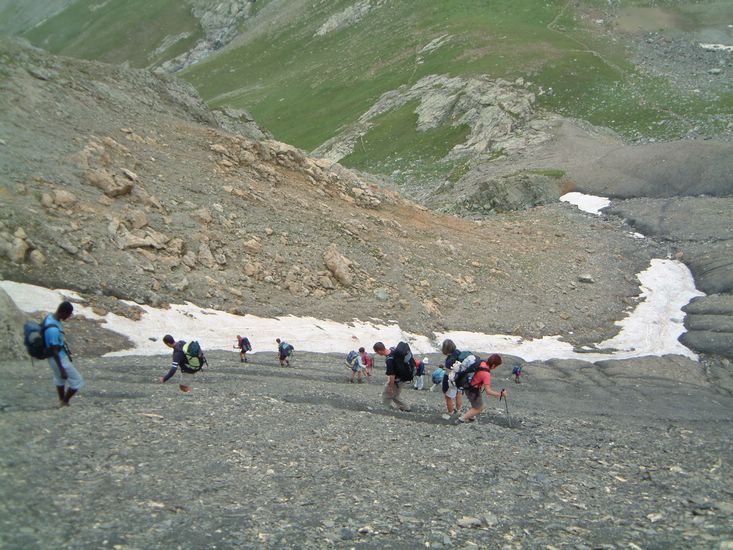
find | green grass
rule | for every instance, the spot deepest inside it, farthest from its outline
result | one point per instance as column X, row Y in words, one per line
column 394, row 144
column 306, row 88
column 118, row 31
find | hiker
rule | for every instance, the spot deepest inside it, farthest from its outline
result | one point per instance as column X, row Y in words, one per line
column 481, row 380
column 517, row 372
column 284, row 352
column 180, row 360
column 420, row 372
column 396, row 359
column 453, row 397
column 368, row 361
column 450, row 393
column 244, row 346
column 356, row 364
column 66, row 378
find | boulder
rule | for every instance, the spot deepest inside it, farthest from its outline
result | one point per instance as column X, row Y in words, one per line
column 11, row 328
column 338, row 265
column 105, row 181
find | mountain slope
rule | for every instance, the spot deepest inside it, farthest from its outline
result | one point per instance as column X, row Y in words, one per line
column 121, row 184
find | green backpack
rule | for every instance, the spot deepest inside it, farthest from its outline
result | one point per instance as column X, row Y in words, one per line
column 195, row 359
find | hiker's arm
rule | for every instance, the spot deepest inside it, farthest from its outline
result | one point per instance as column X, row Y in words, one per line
column 56, row 350
column 171, row 373
column 494, row 393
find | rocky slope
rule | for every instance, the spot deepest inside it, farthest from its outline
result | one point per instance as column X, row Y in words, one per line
column 121, row 184
column 619, row 455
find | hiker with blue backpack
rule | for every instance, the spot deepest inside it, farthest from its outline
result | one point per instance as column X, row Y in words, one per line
column 66, row 378
column 188, row 357
column 355, row 362
column 400, row 370
column 284, row 352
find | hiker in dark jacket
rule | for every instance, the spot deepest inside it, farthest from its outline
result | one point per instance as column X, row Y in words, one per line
column 64, row 373
column 243, row 346
column 393, row 388
column 179, row 360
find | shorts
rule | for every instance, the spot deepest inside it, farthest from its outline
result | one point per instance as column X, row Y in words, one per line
column 357, row 368
column 474, row 397
column 451, row 392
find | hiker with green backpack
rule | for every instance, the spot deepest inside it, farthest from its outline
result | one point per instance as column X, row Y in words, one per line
column 187, row 356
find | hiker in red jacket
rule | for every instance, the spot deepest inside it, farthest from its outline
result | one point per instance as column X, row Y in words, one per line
column 481, row 381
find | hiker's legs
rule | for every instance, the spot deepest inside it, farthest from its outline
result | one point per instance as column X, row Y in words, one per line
column 392, row 395
column 73, row 379
column 397, row 400
column 420, row 382
column 459, row 400
column 69, row 394
column 477, row 405
column 451, row 396
column 186, row 383
column 61, row 391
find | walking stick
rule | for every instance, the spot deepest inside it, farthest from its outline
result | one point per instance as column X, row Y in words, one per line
column 506, row 405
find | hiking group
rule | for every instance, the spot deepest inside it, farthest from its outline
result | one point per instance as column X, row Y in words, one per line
column 463, row 372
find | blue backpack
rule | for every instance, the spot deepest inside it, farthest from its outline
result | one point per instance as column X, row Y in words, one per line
column 34, row 338
column 351, row 357
column 437, row 376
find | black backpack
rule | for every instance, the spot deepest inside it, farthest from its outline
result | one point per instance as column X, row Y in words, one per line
column 34, row 338
column 404, row 362
column 463, row 378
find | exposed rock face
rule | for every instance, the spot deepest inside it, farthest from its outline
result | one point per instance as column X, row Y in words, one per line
column 219, row 21
column 349, row 16
column 11, row 328
column 497, row 112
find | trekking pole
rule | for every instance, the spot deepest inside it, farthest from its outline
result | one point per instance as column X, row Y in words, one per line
column 506, row 405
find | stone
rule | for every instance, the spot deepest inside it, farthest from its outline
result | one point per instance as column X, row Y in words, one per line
column 252, row 246
column 338, row 265
column 107, row 183
column 63, row 198
column 18, row 250
column 36, row 258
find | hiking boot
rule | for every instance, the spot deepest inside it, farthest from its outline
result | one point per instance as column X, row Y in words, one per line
column 351, row 381
column 184, row 389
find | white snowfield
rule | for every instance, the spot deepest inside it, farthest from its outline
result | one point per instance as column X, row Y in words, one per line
column 716, row 47
column 651, row 329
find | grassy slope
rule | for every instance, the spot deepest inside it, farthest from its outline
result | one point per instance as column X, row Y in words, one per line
column 117, row 32
column 304, row 88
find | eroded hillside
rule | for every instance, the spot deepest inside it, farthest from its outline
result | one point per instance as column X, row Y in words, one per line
column 121, row 184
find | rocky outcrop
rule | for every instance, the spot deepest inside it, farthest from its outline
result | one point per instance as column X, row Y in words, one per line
column 499, row 115
column 11, row 329
column 219, row 21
